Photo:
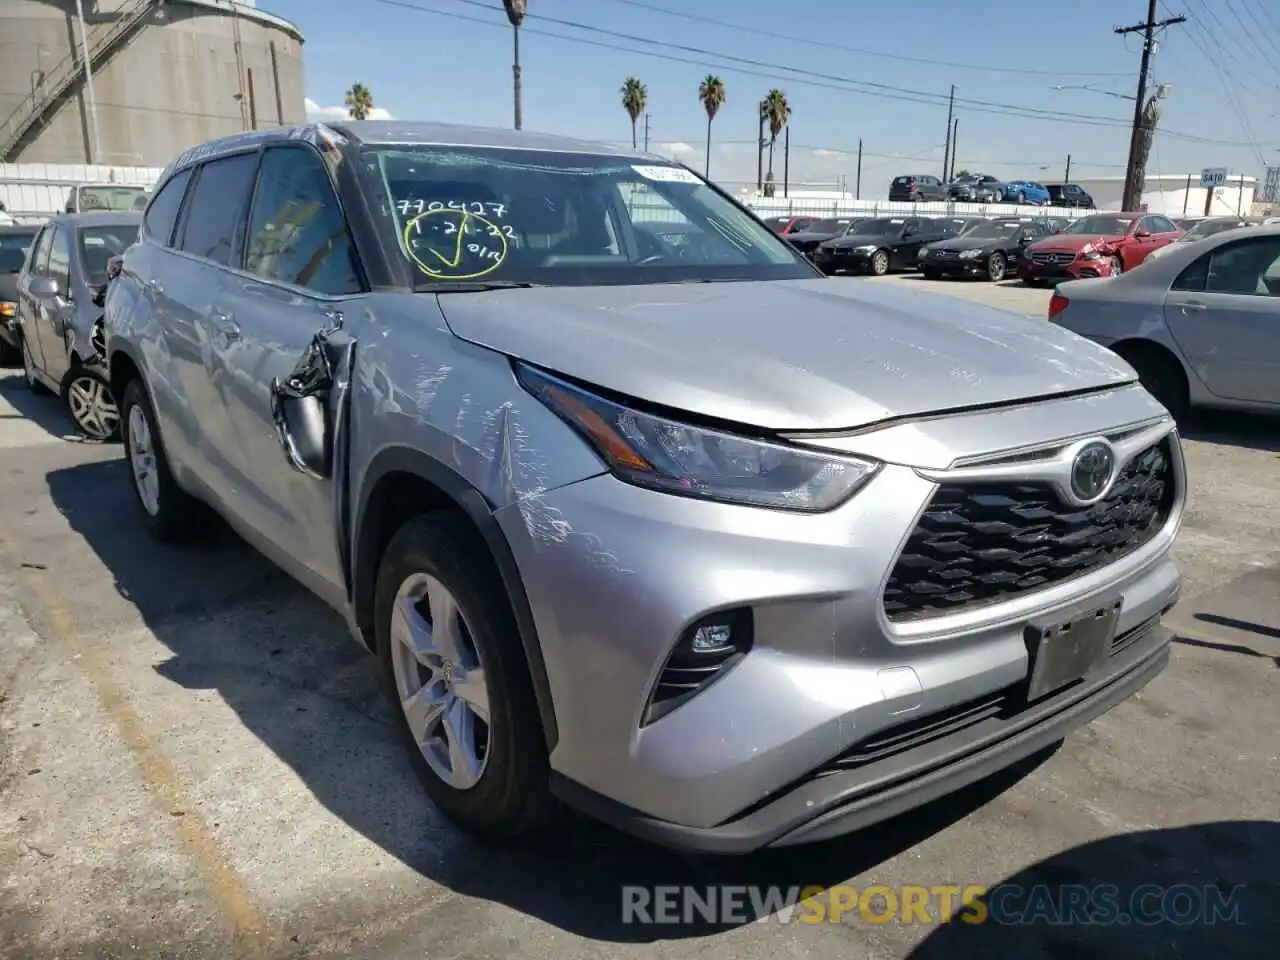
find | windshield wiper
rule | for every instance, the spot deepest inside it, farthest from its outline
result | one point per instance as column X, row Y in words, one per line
column 473, row 286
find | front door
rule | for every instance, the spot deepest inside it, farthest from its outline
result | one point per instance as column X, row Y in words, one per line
column 1224, row 313
column 299, row 275
column 28, row 305
column 53, row 314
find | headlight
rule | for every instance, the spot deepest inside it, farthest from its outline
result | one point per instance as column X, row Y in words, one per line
column 865, row 248
column 8, row 309
column 970, row 254
column 924, row 251
column 678, row 458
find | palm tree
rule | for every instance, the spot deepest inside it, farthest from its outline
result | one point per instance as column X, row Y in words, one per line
column 776, row 112
column 515, row 16
column 359, row 102
column 635, row 96
column 711, row 93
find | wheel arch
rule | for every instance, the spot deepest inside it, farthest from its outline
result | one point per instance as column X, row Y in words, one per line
column 401, row 483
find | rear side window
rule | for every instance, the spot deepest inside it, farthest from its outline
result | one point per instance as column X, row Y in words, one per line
column 40, row 258
column 215, row 212
column 162, row 216
column 60, row 256
column 297, row 234
column 903, row 181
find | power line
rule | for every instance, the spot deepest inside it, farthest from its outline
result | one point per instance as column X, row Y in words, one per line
column 862, row 51
column 797, row 75
column 1133, row 171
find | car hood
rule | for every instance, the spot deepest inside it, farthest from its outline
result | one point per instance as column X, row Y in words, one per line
column 809, row 236
column 862, row 239
column 786, row 354
column 967, row 243
column 1075, row 241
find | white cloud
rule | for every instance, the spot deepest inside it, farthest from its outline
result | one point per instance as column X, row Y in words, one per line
column 317, row 112
column 824, row 153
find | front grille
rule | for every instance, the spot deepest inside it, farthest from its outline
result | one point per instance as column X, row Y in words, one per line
column 983, row 543
column 1057, row 258
column 945, row 254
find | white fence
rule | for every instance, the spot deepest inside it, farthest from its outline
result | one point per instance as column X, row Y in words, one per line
column 849, row 207
column 36, row 191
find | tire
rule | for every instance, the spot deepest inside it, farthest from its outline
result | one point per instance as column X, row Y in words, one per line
column 10, row 356
column 1117, row 266
column 1020, row 198
column 29, row 371
column 90, row 405
column 879, row 263
column 506, row 791
column 996, row 267
column 1162, row 377
column 173, row 515
column 1031, row 282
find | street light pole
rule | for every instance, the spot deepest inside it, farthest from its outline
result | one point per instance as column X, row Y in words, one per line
column 95, row 152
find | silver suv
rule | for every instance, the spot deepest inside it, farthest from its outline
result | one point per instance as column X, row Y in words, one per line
column 636, row 508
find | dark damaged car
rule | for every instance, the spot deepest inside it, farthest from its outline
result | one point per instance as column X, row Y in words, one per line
column 661, row 523
column 819, row 232
column 989, row 250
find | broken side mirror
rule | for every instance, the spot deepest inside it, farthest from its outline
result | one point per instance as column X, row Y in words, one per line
column 303, row 404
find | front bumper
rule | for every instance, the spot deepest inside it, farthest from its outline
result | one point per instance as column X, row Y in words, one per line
column 955, row 267
column 760, row 757
column 832, row 260
column 1077, row 269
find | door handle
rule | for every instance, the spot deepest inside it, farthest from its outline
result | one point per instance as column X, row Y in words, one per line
column 1193, row 306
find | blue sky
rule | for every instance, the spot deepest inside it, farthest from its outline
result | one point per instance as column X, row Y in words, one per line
column 1222, row 66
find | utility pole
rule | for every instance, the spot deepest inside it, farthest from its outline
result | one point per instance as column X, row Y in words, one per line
column 857, row 184
column 1066, row 177
column 1133, row 176
column 95, row 154
column 946, row 150
column 955, row 139
column 786, row 160
column 646, row 133
column 760, row 151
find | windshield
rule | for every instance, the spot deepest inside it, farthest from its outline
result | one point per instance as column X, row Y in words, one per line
column 993, row 231
column 110, row 198
column 1208, row 228
column 499, row 215
column 874, row 228
column 1101, row 226
column 13, row 250
column 99, row 244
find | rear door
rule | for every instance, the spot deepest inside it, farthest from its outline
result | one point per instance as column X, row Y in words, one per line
column 298, row 276
column 191, row 301
column 1224, row 313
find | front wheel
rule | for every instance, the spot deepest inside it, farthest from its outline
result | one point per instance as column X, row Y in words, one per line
column 1020, row 198
column 879, row 263
column 92, row 408
column 1163, row 378
column 169, row 513
column 1117, row 266
column 457, row 678
column 995, row 267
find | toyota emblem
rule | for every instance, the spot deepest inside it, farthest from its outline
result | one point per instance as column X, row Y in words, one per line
column 1092, row 470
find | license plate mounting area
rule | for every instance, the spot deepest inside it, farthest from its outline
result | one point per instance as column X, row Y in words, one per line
column 1062, row 651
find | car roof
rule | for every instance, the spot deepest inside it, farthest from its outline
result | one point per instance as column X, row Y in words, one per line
column 99, row 218
column 20, row 227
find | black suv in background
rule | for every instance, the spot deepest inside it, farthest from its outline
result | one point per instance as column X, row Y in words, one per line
column 916, row 187
column 1069, row 195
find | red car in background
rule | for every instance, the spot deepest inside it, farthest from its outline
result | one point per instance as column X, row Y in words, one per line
column 1100, row 245
column 785, row 226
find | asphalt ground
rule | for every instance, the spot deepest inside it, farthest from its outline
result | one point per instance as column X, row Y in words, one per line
column 195, row 761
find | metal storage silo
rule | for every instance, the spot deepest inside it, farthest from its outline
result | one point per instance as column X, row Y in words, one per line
column 162, row 76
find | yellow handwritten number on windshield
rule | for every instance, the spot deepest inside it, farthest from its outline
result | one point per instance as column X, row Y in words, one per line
column 468, row 245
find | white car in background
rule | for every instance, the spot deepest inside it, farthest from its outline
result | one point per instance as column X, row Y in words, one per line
column 1201, row 230
column 1200, row 324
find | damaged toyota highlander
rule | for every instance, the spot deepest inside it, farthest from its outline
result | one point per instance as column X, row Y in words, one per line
column 639, row 511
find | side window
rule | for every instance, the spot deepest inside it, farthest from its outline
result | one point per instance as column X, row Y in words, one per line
column 297, row 234
column 1248, row 267
column 162, row 216
column 215, row 212
column 1193, row 278
column 60, row 256
column 40, row 256
column 1162, row 225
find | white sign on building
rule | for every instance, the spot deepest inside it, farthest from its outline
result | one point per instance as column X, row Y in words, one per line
column 1213, row 177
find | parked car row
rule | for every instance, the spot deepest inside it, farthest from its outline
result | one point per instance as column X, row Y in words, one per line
column 984, row 188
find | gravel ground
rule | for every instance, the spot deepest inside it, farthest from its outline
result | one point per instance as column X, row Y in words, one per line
column 195, row 762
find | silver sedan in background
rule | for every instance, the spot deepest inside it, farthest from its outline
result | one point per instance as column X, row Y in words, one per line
column 1202, row 230
column 1200, row 324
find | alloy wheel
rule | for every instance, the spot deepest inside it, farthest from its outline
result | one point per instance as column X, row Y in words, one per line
column 440, row 681
column 142, row 460
column 995, row 268
column 879, row 263
column 1117, row 266
column 93, row 408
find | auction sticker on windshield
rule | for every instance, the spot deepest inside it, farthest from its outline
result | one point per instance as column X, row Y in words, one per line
column 455, row 244
column 665, row 174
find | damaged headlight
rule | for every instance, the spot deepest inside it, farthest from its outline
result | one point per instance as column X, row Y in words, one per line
column 678, row 458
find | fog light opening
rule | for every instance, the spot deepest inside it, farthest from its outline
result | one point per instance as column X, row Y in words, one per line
column 705, row 652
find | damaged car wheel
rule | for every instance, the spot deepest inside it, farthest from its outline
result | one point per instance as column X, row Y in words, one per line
column 457, row 678
column 91, row 405
column 169, row 513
